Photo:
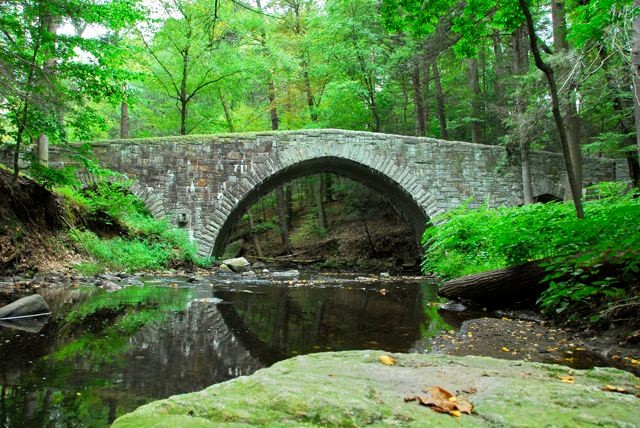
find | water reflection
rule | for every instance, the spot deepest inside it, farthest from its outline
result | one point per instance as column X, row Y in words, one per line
column 102, row 355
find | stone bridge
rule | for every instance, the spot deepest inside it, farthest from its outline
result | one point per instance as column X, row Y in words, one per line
column 205, row 183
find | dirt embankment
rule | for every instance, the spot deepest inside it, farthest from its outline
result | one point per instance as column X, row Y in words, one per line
column 31, row 224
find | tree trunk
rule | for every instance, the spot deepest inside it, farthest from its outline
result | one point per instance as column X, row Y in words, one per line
column 420, row 114
column 183, row 96
column 288, row 199
column 497, row 287
column 525, row 169
column 183, row 118
column 440, row 111
column 322, row 219
column 273, row 111
column 254, row 236
column 19, row 139
column 572, row 120
column 313, row 114
column 498, row 86
column 227, row 111
column 124, row 120
column 635, row 59
column 520, row 68
column 474, row 86
column 623, row 125
column 282, row 216
column 555, row 107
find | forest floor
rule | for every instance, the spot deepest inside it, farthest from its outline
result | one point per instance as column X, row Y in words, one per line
column 383, row 242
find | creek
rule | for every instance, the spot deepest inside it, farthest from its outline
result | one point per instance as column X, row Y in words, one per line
column 102, row 354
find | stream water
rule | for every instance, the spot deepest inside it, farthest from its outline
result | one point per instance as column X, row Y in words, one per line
column 100, row 355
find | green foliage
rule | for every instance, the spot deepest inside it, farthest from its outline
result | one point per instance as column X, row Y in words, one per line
column 89, row 268
column 147, row 243
column 589, row 262
column 49, row 177
column 309, row 229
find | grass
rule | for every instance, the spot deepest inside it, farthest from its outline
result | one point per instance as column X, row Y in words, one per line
column 142, row 242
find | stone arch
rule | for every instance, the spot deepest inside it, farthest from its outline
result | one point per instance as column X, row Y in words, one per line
column 546, row 198
column 398, row 184
column 548, row 188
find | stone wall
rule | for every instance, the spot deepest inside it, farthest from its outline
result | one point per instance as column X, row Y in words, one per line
column 204, row 183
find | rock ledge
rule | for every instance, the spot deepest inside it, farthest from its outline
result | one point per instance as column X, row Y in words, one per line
column 354, row 389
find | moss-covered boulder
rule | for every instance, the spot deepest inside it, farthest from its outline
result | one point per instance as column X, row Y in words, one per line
column 355, row 389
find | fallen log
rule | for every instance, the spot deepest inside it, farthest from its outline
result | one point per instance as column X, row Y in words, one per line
column 497, row 287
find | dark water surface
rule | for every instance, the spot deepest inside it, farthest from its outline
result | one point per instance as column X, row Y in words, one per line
column 102, row 354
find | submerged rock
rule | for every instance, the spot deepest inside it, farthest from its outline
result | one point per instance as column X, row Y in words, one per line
column 258, row 265
column 453, row 306
column 31, row 324
column 30, row 305
column 238, row 264
column 354, row 389
column 225, row 269
column 288, row 274
column 108, row 285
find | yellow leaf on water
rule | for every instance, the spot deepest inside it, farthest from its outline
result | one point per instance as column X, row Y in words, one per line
column 504, row 349
column 387, row 360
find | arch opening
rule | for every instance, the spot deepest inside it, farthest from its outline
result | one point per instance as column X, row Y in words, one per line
column 402, row 202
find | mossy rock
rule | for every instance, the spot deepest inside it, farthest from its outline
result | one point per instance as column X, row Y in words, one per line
column 354, row 389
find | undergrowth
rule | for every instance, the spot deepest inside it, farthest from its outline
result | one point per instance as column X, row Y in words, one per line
column 140, row 242
column 593, row 264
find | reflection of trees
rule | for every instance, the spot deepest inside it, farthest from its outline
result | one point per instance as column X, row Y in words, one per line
column 98, row 374
column 281, row 322
column 114, row 372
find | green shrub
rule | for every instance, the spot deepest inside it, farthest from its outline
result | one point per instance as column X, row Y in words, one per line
column 591, row 262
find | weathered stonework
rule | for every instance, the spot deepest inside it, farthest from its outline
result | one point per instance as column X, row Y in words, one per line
column 206, row 182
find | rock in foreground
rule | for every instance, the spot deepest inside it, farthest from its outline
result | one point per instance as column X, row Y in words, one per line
column 354, row 389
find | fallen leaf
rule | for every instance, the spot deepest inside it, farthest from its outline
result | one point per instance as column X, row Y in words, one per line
column 442, row 401
column 505, row 349
column 567, row 379
column 613, row 388
column 387, row 360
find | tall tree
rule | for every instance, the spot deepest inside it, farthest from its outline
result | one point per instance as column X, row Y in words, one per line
column 186, row 54
column 49, row 77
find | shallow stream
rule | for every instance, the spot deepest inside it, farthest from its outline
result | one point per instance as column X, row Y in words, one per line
column 100, row 355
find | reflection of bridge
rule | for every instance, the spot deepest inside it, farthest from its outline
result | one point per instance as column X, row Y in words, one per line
column 281, row 322
column 205, row 183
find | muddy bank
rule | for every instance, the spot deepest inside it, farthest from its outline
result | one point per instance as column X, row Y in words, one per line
column 537, row 340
